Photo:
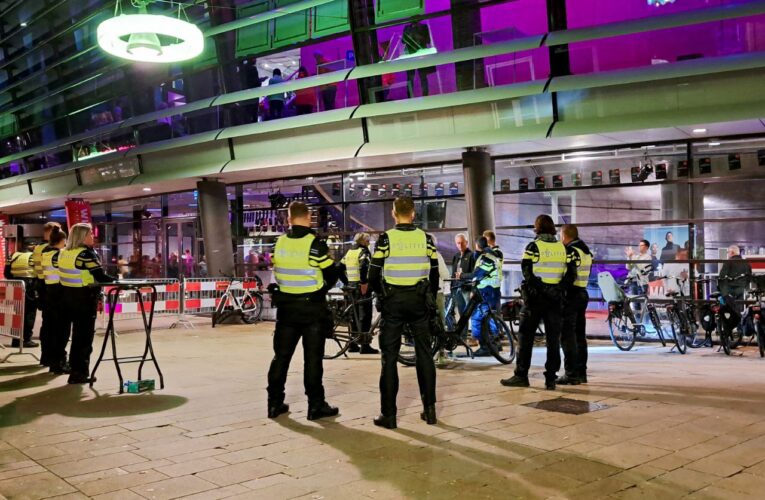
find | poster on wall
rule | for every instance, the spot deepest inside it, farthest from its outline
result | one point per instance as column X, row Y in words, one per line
column 3, row 224
column 667, row 240
column 77, row 211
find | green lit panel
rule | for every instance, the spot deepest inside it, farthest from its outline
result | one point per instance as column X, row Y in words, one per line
column 396, row 9
column 254, row 38
column 330, row 19
column 291, row 28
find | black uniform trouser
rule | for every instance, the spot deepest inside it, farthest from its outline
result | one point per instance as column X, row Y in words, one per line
column 43, row 304
column 364, row 313
column 401, row 307
column 60, row 325
column 543, row 307
column 298, row 318
column 573, row 332
column 30, row 308
column 81, row 308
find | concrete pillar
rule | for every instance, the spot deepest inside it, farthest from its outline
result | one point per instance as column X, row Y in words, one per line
column 478, row 170
column 216, row 227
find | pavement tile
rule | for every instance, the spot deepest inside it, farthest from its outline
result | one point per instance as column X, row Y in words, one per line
column 173, row 488
column 240, row 473
column 120, row 482
column 628, row 454
column 40, row 485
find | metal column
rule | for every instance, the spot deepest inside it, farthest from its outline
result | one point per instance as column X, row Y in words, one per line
column 216, row 229
column 478, row 170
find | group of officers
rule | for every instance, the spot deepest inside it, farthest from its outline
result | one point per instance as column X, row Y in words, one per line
column 61, row 277
column 403, row 273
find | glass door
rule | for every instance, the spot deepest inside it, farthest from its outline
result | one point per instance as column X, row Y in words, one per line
column 184, row 248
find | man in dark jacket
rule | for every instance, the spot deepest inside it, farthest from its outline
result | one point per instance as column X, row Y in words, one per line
column 462, row 263
column 735, row 274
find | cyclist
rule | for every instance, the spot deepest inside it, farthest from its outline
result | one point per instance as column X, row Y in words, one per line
column 354, row 269
column 304, row 272
column 548, row 271
column 491, row 236
column 486, row 276
column 404, row 273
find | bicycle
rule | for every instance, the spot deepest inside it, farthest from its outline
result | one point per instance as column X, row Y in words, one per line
column 751, row 323
column 495, row 333
column 344, row 316
column 511, row 312
column 624, row 325
column 680, row 316
column 724, row 316
column 239, row 300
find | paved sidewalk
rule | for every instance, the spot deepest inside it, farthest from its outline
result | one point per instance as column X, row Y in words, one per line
column 674, row 426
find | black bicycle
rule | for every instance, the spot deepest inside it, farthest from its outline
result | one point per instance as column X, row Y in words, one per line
column 495, row 335
column 751, row 324
column 625, row 325
column 345, row 321
column 724, row 316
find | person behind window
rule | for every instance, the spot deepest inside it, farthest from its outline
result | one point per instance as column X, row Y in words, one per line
column 735, row 274
column 328, row 92
column 276, row 101
column 639, row 272
column 416, row 37
column 675, row 274
column 304, row 98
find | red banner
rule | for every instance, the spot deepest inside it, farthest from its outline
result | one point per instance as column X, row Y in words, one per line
column 3, row 224
column 77, row 211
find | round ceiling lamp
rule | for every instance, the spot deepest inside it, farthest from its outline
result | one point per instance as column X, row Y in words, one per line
column 145, row 37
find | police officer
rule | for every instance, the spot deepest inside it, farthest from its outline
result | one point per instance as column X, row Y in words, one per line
column 21, row 268
column 40, row 288
column 81, row 274
column 491, row 238
column 304, row 273
column 54, row 315
column 404, row 273
column 572, row 336
column 355, row 265
column 548, row 271
column 486, row 276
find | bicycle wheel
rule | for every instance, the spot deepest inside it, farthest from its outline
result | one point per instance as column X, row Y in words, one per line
column 252, row 307
column 407, row 355
column 498, row 339
column 341, row 339
column 736, row 338
column 218, row 313
column 676, row 322
column 724, row 338
column 654, row 317
column 622, row 328
column 760, row 337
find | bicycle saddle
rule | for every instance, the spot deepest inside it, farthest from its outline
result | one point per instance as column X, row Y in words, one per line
column 672, row 294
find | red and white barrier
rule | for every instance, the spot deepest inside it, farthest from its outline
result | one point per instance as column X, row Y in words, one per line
column 202, row 295
column 12, row 314
column 168, row 301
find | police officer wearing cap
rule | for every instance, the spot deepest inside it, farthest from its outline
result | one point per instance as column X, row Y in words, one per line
column 354, row 273
column 404, row 273
column 304, row 273
column 54, row 314
column 20, row 267
column 548, row 271
column 40, row 289
column 572, row 337
column 81, row 275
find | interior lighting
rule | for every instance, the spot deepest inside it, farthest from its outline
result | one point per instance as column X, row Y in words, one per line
column 699, row 131
column 147, row 189
column 712, row 144
column 136, row 37
column 23, row 24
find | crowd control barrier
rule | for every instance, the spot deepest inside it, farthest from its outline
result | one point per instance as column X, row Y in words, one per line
column 202, row 295
column 168, row 301
column 12, row 315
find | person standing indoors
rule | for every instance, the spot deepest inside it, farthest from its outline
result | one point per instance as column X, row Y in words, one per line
column 548, row 271
column 404, row 273
column 21, row 267
column 327, row 92
column 491, row 238
column 40, row 289
column 304, row 273
column 304, row 98
column 276, row 100
column 356, row 270
column 54, row 314
column 81, row 276
column 573, row 333
column 462, row 263
column 486, row 276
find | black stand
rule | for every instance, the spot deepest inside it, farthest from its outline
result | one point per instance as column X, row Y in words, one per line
column 111, row 300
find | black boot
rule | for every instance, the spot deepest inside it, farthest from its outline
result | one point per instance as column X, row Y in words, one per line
column 550, row 384
column 368, row 349
column 354, row 347
column 387, row 422
column 321, row 411
column 79, row 378
column 429, row 415
column 515, row 381
column 583, row 378
column 568, row 380
column 274, row 410
column 60, row 368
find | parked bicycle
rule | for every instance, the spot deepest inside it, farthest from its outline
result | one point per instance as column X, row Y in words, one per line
column 238, row 300
column 345, row 318
column 626, row 314
column 752, row 321
column 724, row 316
column 495, row 334
column 511, row 313
column 681, row 316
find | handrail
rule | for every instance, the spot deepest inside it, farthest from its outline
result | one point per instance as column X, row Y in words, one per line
column 265, row 16
column 458, row 55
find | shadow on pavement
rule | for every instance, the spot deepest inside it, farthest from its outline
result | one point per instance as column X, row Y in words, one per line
column 26, row 382
column 68, row 400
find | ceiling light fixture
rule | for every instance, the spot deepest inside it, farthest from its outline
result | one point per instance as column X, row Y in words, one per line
column 714, row 144
column 147, row 189
column 699, row 131
column 139, row 37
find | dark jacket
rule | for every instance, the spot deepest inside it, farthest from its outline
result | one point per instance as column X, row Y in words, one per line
column 466, row 263
column 736, row 266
